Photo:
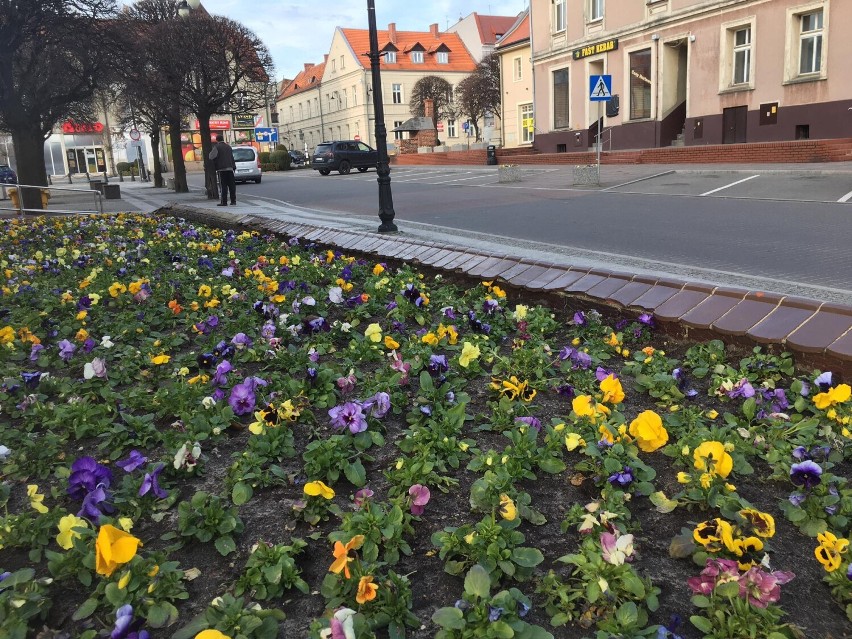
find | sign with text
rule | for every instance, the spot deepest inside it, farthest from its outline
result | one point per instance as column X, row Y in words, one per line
column 596, row 48
column 244, row 120
column 69, row 126
column 217, row 124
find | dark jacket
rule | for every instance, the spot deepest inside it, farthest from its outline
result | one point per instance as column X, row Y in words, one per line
column 223, row 157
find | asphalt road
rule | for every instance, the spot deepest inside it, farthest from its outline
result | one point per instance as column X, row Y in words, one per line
column 780, row 227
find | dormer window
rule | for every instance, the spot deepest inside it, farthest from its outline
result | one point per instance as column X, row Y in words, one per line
column 390, row 57
column 417, row 57
column 443, row 57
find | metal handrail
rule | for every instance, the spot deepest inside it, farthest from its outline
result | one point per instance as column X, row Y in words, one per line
column 98, row 198
column 606, row 136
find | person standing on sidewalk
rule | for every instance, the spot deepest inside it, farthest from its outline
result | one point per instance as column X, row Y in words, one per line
column 223, row 161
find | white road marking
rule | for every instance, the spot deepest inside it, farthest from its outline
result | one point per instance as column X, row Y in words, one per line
column 641, row 179
column 846, row 197
column 727, row 186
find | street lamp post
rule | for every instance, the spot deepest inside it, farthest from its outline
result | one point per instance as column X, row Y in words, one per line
column 386, row 212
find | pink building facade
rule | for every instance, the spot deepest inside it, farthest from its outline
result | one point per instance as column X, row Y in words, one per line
column 691, row 72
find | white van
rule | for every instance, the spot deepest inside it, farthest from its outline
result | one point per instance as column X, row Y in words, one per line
column 248, row 164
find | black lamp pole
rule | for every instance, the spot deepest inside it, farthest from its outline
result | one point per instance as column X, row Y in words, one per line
column 386, row 212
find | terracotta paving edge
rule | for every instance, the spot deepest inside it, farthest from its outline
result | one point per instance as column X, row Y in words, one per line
column 830, row 358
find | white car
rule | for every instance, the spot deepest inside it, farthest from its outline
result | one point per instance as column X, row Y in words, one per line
column 248, row 164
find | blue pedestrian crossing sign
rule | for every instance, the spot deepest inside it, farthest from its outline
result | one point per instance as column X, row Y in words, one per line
column 600, row 88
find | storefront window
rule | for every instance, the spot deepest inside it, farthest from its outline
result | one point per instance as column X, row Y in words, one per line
column 640, row 84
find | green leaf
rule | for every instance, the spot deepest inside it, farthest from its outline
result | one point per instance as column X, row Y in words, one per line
column 702, row 623
column 749, row 408
column 551, row 465
column 356, row 474
column 728, row 589
column 241, row 493
column 682, row 546
column 701, row 601
column 84, row 611
column 162, row 615
column 627, row 614
column 527, row 557
column 536, row 632
column 477, row 582
column 500, row 630
column 451, row 618
column 225, row 545
column 662, row 503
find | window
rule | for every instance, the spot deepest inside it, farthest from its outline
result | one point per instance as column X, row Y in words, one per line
column 560, row 99
column 417, row 57
column 810, row 42
column 451, row 95
column 291, row 114
column 742, row 56
column 640, row 84
column 342, row 64
column 396, row 91
column 397, row 135
column 390, row 57
column 527, row 123
column 345, row 102
column 443, row 57
column 517, row 69
column 559, row 15
column 451, row 129
column 596, row 10
column 354, row 96
column 333, row 68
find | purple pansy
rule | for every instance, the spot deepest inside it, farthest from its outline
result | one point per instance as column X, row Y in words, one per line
column 241, row 341
column 742, row 388
column 34, row 351
column 806, row 474
column 362, row 496
column 242, row 399
column 579, row 319
column 66, row 349
column 151, row 483
column 824, row 381
column 220, row 377
column 378, row 405
column 134, row 460
column 622, row 478
column 533, row 422
column 95, row 504
column 350, row 416
column 438, row 364
column 420, row 496
column 86, row 475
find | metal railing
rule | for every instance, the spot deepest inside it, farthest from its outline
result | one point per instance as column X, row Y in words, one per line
column 46, row 194
column 606, row 138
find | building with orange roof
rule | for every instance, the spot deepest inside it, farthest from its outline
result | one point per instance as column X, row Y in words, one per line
column 481, row 34
column 333, row 100
column 517, row 118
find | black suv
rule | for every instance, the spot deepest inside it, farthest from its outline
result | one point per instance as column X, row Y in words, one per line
column 7, row 175
column 343, row 156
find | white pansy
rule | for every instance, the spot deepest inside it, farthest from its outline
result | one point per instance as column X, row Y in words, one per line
column 335, row 295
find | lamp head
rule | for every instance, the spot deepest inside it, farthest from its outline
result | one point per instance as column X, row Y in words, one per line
column 193, row 4
column 183, row 9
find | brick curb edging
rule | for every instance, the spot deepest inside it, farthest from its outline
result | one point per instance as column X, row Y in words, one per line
column 818, row 334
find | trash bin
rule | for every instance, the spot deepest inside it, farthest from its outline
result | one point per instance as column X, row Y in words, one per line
column 491, row 155
column 112, row 192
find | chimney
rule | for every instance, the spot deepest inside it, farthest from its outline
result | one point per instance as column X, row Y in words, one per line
column 428, row 108
column 433, row 29
column 392, row 32
column 325, row 58
column 308, row 65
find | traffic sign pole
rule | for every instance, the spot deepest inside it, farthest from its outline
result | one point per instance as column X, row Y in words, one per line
column 598, row 129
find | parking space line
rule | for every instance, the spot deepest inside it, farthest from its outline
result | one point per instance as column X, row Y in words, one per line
column 641, row 179
column 727, row 186
column 846, row 197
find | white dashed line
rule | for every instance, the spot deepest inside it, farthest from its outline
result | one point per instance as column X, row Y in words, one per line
column 846, row 197
column 727, row 186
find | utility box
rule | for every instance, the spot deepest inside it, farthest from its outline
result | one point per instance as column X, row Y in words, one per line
column 112, row 192
column 491, row 155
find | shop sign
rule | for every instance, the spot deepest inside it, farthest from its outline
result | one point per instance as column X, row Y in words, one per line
column 72, row 160
column 244, row 121
column 69, row 126
column 217, row 124
column 596, row 48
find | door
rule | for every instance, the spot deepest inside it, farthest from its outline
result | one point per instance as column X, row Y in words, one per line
column 734, row 125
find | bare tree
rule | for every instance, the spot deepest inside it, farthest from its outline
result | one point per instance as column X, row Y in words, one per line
column 219, row 66
column 435, row 88
column 478, row 94
column 50, row 72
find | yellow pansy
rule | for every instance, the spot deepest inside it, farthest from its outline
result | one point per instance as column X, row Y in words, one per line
column 830, row 549
column 318, row 488
column 683, row 478
column 837, row 395
column 81, row 315
column 66, row 526
column 211, row 633
column 648, row 431
column 573, row 441
column 520, row 312
column 378, row 269
column 508, row 510
column 7, row 335
column 390, row 343
column 611, row 388
column 113, row 548
column 430, row 338
column 161, row 359
column 366, row 590
column 712, row 458
column 469, row 353
column 36, row 498
column 116, row 289
column 204, row 291
column 373, row 333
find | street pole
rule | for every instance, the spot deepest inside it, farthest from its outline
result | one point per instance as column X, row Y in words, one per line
column 599, row 141
column 386, row 212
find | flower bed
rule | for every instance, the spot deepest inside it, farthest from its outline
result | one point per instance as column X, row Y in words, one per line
column 216, row 433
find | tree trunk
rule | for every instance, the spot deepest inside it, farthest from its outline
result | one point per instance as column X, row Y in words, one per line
column 155, row 149
column 29, row 151
column 177, row 156
column 210, row 182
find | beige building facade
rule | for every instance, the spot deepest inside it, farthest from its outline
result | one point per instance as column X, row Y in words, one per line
column 333, row 100
column 691, row 72
column 517, row 119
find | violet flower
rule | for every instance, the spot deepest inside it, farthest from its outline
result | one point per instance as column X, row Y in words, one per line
column 622, row 478
column 241, row 341
column 494, row 612
column 34, row 351
column 95, row 504
column 806, row 474
column 824, row 381
column 31, row 379
column 242, row 399
column 134, row 460
column 533, row 422
column 420, row 496
column 66, row 349
column 347, row 384
column 361, row 496
column 86, row 475
column 125, row 625
column 646, row 318
column 742, row 388
column 438, row 364
column 797, row 498
column 151, row 483
column 715, row 570
column 490, row 306
column 602, row 373
column 350, row 416
column 579, row 319
column 378, row 405
column 761, row 588
column 220, row 377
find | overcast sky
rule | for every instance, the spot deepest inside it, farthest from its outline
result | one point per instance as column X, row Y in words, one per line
column 299, row 32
